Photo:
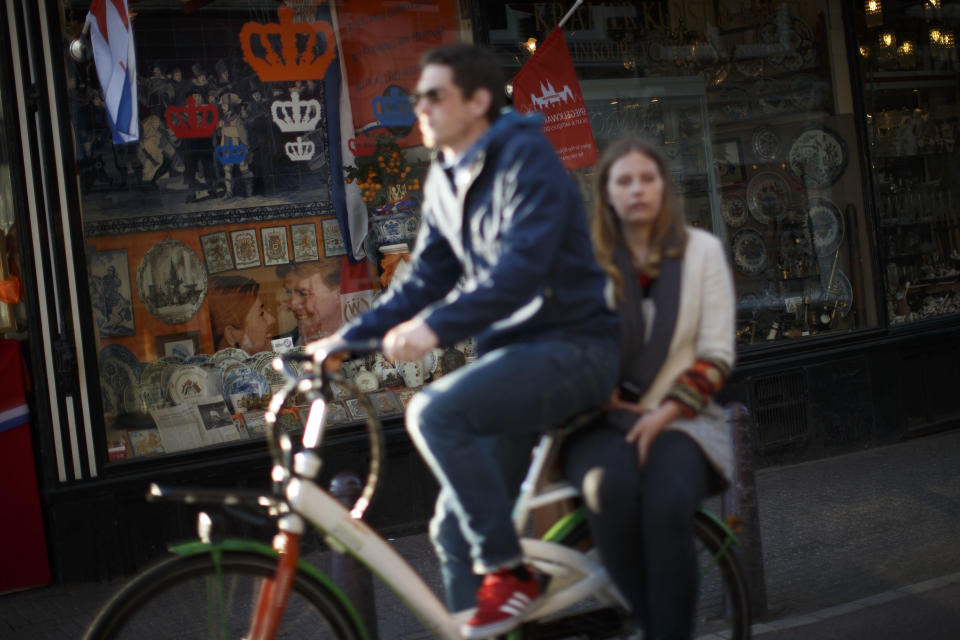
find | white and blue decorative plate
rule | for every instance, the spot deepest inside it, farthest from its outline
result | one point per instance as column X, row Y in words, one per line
column 119, row 368
column 818, row 156
column 766, row 143
column 172, row 281
column 228, row 356
column 186, row 383
column 244, row 380
column 749, row 251
column 767, row 196
column 734, row 210
column 826, row 224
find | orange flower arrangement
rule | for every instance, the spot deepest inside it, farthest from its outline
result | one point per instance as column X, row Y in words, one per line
column 385, row 176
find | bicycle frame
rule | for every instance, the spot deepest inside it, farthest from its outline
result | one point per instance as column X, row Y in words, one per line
column 346, row 534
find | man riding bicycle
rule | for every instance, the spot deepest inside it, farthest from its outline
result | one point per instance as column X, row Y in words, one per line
column 503, row 254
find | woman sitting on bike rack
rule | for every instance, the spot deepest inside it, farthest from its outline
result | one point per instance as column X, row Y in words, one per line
column 663, row 445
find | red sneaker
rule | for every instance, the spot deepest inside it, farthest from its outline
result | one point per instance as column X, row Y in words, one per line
column 502, row 600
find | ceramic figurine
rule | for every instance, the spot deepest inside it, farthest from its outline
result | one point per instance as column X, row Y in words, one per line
column 451, row 360
column 386, row 372
column 366, row 380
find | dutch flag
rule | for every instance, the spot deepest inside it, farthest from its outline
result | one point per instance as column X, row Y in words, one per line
column 112, row 41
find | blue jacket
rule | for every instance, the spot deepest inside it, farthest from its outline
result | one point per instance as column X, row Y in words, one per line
column 503, row 252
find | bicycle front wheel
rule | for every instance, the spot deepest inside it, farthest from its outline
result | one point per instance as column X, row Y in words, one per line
column 213, row 595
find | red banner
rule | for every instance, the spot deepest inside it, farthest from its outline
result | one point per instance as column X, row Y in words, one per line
column 548, row 83
column 382, row 43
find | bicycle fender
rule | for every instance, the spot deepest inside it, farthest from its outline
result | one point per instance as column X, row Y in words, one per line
column 564, row 525
column 715, row 519
column 576, row 517
column 198, row 547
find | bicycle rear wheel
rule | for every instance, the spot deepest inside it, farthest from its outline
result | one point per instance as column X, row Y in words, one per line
column 206, row 596
column 723, row 609
column 723, row 601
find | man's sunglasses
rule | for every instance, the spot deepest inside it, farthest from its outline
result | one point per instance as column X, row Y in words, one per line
column 433, row 96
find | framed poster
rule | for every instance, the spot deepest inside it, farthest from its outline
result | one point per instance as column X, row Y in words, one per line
column 110, row 295
column 274, row 245
column 332, row 240
column 246, row 249
column 303, row 237
column 336, row 414
column 183, row 345
column 216, row 252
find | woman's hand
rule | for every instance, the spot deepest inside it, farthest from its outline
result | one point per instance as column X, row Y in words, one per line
column 617, row 402
column 648, row 427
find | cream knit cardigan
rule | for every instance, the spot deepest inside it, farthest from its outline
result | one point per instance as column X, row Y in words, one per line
column 704, row 330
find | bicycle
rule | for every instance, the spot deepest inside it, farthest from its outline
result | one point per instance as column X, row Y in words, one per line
column 238, row 588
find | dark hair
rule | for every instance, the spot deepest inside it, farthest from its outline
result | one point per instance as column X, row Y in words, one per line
column 473, row 68
column 669, row 232
column 330, row 269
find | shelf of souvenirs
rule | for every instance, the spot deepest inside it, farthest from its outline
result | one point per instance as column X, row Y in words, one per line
column 944, row 222
column 926, row 207
column 927, row 251
column 940, row 77
column 890, row 147
column 915, row 302
column 925, row 278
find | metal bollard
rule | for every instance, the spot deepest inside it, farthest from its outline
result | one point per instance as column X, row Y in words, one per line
column 354, row 578
column 741, row 500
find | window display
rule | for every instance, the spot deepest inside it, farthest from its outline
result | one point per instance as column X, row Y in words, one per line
column 740, row 95
column 226, row 233
column 909, row 57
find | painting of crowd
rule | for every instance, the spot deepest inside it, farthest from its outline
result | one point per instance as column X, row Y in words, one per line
column 162, row 161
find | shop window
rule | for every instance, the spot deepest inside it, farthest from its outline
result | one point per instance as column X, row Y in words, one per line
column 220, row 237
column 908, row 55
column 751, row 102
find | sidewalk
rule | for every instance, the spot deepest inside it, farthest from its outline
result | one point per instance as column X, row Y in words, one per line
column 873, row 532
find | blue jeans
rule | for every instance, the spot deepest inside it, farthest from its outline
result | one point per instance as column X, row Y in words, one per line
column 475, row 428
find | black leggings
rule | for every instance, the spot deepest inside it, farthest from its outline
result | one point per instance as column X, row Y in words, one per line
column 641, row 519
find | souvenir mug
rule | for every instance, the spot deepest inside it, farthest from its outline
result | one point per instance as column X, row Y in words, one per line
column 412, row 372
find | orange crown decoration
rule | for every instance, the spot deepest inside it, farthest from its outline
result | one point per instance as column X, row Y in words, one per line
column 300, row 151
column 294, row 61
column 362, row 145
column 192, row 121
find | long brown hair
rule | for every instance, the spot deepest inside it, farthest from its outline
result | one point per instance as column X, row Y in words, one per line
column 669, row 234
column 229, row 299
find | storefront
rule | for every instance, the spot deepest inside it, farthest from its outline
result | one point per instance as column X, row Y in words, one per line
column 273, row 192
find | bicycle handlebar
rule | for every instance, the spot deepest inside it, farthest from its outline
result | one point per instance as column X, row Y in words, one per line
column 280, row 449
